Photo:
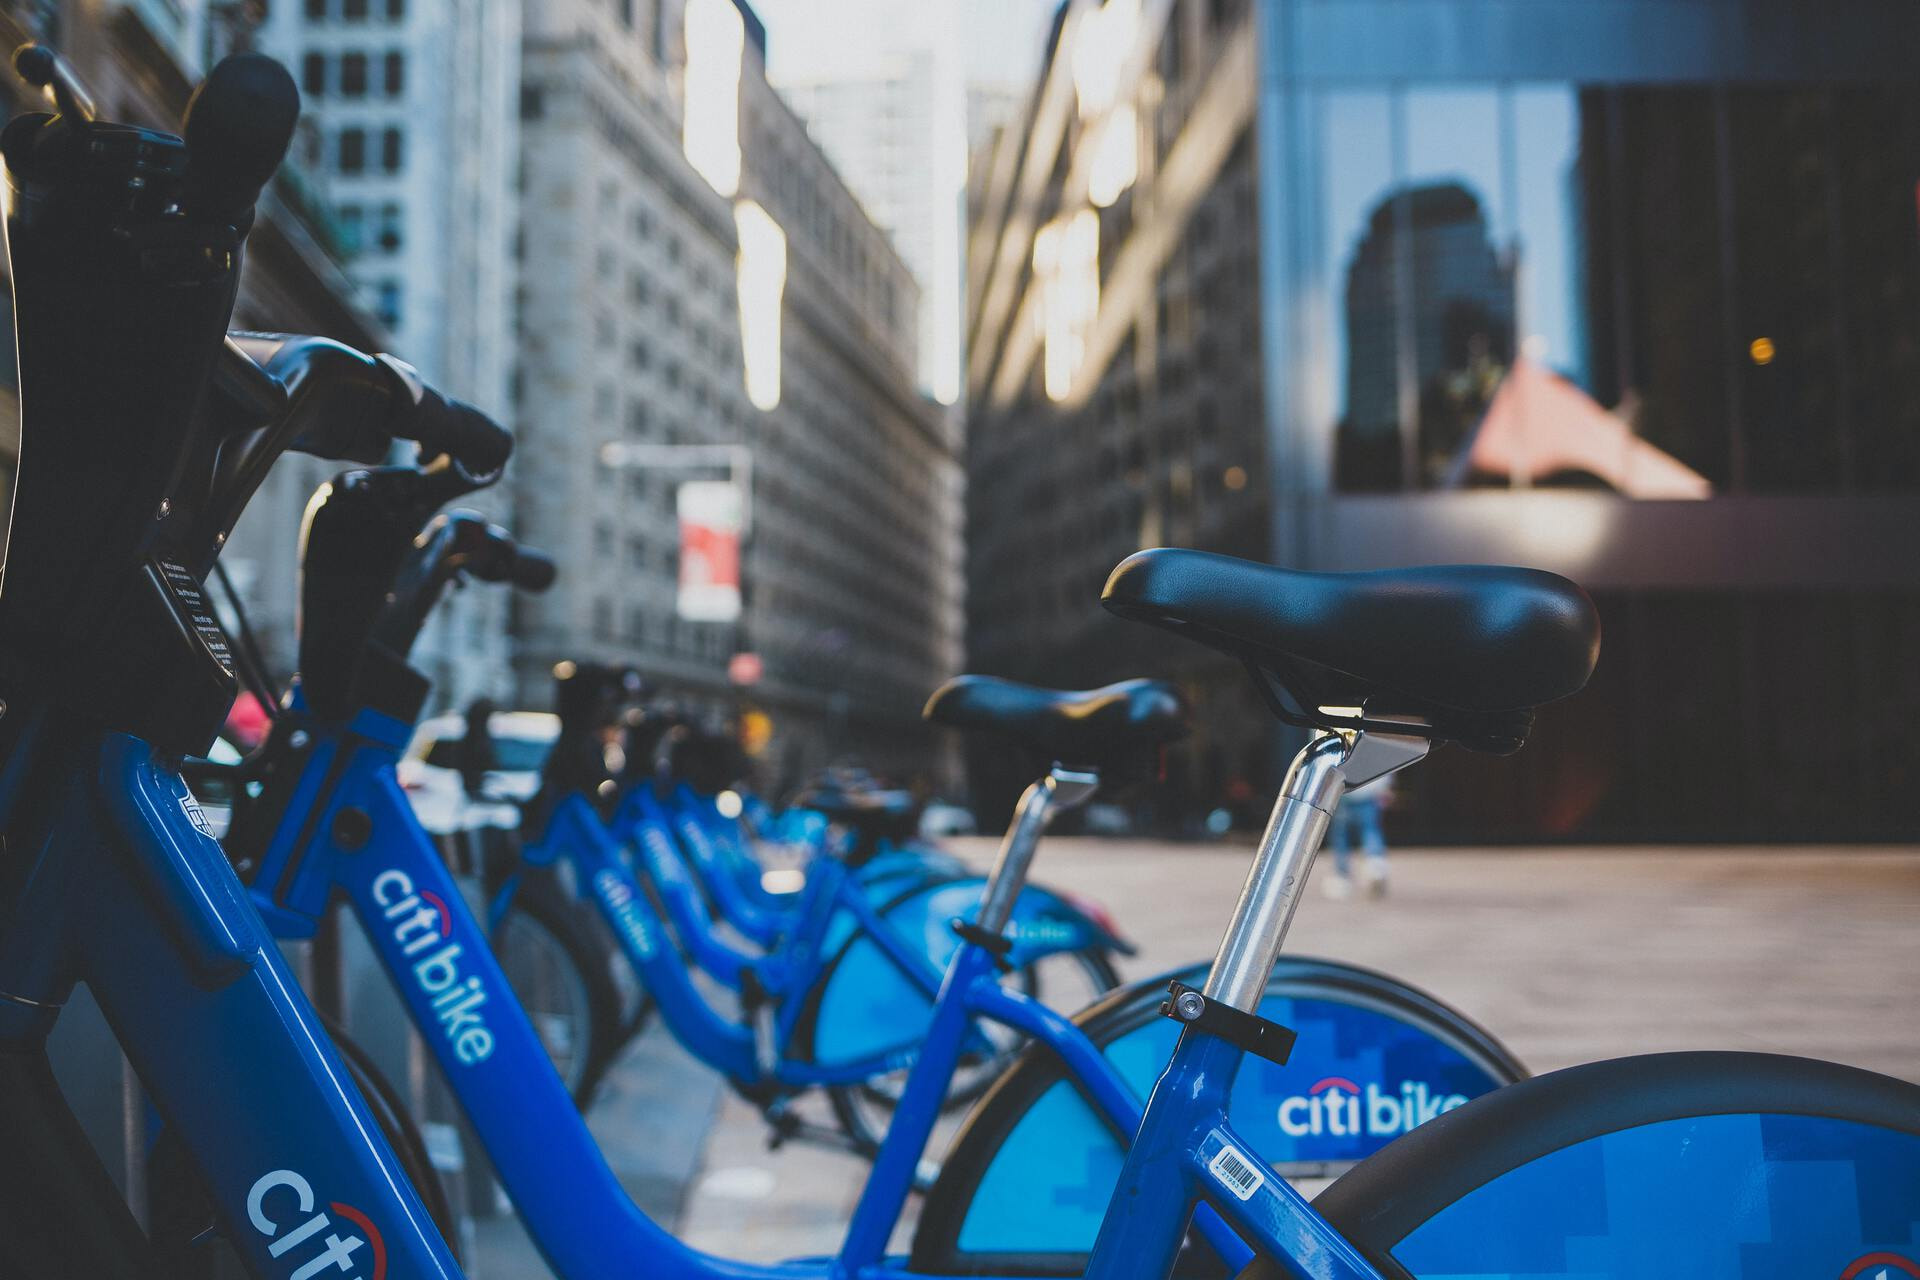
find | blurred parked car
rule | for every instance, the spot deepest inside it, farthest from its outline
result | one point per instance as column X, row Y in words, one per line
column 942, row 819
column 1106, row 820
column 430, row 771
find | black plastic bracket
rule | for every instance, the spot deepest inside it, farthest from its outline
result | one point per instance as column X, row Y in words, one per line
column 999, row 945
column 1250, row 1031
column 753, row 992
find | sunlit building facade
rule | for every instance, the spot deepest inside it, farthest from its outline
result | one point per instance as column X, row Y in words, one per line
column 1628, row 291
column 694, row 273
column 897, row 134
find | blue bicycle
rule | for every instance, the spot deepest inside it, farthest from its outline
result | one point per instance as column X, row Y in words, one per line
column 144, row 433
column 839, row 1002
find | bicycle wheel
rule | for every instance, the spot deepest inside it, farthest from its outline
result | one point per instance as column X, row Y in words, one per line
column 1682, row 1164
column 1395, row 1054
column 562, row 975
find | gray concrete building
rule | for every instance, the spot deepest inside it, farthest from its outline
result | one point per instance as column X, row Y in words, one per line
column 411, row 112
column 712, row 283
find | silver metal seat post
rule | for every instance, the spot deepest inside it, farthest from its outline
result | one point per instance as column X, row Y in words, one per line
column 1318, row 777
column 1060, row 790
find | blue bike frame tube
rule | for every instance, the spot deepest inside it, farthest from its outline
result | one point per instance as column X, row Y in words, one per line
column 663, row 864
column 1173, row 1160
column 892, row 1175
column 576, row 833
column 1097, row 1077
column 748, row 908
column 152, row 919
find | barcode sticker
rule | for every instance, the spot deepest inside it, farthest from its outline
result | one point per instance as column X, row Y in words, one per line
column 1236, row 1173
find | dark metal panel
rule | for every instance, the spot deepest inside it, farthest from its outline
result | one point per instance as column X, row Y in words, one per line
column 1606, row 542
column 1592, row 41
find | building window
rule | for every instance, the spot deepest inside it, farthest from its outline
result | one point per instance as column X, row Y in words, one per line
column 353, row 10
column 313, row 75
column 391, row 221
column 395, row 74
column 353, row 150
column 626, row 13
column 351, row 222
column 316, row 10
column 387, row 303
column 390, row 156
column 353, row 75
column 396, row 10
column 603, row 619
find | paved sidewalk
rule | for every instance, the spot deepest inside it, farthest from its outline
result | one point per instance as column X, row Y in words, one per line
column 1567, row 954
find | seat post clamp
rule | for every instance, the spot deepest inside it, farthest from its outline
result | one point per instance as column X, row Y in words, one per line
column 1249, row 1031
column 998, row 945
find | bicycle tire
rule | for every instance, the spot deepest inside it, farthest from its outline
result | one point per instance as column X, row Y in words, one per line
column 1668, row 1117
column 584, row 1037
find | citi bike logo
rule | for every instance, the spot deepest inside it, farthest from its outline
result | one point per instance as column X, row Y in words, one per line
column 1881, row 1266
column 619, row 899
column 1338, row 1107
column 282, row 1207
column 421, row 923
column 197, row 816
column 661, row 862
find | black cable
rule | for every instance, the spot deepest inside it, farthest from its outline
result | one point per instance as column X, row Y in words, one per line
column 249, row 662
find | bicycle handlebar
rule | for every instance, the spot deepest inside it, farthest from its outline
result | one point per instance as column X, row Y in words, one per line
column 349, row 406
column 237, row 126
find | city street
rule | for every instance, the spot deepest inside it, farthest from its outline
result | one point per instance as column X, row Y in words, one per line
column 1567, row 954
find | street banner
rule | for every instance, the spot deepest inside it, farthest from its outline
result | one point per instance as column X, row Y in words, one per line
column 710, row 512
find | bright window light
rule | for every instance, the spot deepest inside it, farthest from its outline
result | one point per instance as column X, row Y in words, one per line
column 1116, row 156
column 762, row 267
column 1100, row 47
column 1066, row 260
column 716, row 37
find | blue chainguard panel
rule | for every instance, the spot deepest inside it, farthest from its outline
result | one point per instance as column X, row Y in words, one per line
column 1049, row 1183
column 1737, row 1197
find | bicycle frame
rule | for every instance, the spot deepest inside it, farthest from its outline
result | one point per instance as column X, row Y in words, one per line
column 125, row 889
column 351, row 830
column 576, row 834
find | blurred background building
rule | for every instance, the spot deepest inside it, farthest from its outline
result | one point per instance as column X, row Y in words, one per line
column 1626, row 290
column 701, row 292
column 411, row 112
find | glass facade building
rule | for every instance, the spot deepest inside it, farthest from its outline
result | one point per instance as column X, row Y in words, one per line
column 1628, row 289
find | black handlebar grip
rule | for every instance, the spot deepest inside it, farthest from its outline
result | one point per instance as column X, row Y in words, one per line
column 444, row 425
column 441, row 424
column 532, row 570
column 238, row 125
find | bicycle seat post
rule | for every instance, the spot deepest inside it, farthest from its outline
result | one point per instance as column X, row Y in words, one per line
column 1316, row 780
column 1063, row 788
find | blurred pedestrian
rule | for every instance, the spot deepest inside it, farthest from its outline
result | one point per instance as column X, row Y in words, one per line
column 475, row 755
column 1357, row 820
